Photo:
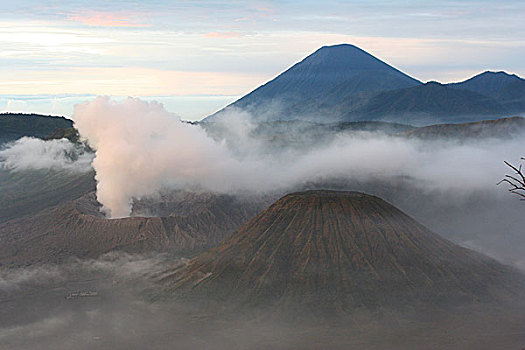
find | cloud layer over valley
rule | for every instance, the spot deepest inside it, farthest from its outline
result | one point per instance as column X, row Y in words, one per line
column 142, row 149
column 29, row 153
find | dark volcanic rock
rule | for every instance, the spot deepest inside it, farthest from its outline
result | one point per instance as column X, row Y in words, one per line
column 31, row 191
column 78, row 229
column 335, row 252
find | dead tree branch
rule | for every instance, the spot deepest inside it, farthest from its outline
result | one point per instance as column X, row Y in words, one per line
column 516, row 182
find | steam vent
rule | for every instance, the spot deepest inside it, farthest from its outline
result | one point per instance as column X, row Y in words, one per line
column 338, row 251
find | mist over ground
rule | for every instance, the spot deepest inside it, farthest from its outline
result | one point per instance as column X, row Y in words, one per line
column 447, row 184
column 35, row 313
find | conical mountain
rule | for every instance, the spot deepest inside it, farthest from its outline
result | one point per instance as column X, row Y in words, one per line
column 331, row 74
column 337, row 251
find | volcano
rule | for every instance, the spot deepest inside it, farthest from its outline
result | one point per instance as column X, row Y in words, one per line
column 177, row 222
column 332, row 78
column 338, row 251
column 345, row 83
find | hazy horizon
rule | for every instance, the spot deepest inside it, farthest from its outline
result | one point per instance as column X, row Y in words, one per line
column 198, row 57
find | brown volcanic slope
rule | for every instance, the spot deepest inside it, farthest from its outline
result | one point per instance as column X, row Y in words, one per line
column 337, row 251
column 30, row 191
column 77, row 228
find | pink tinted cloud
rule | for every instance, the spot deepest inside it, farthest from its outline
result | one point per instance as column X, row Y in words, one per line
column 223, row 35
column 105, row 19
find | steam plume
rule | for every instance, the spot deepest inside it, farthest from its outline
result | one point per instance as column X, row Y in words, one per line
column 142, row 149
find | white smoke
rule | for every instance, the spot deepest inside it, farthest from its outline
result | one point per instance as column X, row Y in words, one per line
column 29, row 153
column 142, row 149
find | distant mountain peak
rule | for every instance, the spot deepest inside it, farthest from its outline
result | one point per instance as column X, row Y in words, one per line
column 345, row 57
column 491, row 77
column 332, row 74
column 497, row 73
column 345, row 83
column 340, row 49
column 507, row 89
column 344, row 45
column 433, row 82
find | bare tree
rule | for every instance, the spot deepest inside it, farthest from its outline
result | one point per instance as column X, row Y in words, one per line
column 515, row 181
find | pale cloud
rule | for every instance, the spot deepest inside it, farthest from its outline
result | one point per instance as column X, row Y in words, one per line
column 189, row 107
column 106, row 19
column 46, row 33
column 262, row 9
column 127, row 81
column 37, row 44
column 229, row 48
column 222, row 35
column 141, row 138
column 16, row 105
column 201, row 66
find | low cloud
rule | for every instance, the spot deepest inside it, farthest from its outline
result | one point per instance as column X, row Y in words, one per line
column 223, row 35
column 29, row 153
column 106, row 19
column 120, row 316
column 13, row 279
column 118, row 266
column 142, row 149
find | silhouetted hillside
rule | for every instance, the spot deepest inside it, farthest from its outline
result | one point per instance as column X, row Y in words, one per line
column 14, row 126
column 507, row 89
column 326, row 78
column 496, row 128
column 428, row 103
column 345, row 83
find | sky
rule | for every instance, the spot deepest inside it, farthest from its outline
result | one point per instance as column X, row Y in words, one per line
column 198, row 56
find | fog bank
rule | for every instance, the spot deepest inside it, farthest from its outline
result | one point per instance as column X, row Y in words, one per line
column 36, row 315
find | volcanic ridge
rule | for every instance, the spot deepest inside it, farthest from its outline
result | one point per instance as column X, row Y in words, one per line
column 337, row 252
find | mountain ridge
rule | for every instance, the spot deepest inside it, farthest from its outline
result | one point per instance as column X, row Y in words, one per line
column 509, row 89
column 430, row 100
column 345, row 83
column 78, row 229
